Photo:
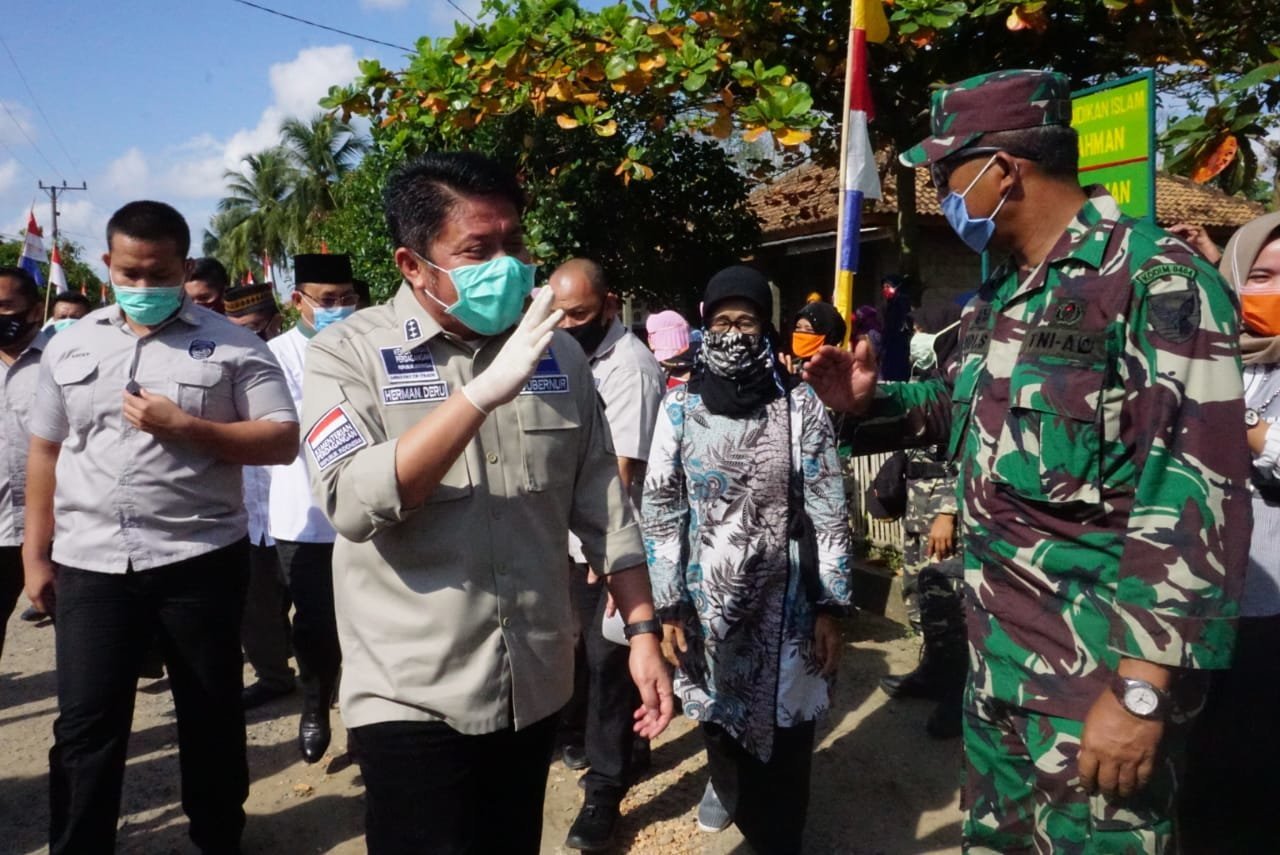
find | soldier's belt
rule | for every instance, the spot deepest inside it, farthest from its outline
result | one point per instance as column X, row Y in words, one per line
column 923, row 469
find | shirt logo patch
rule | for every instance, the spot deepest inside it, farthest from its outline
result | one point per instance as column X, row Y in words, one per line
column 408, row 366
column 334, row 437
column 200, row 348
column 1069, row 313
column 1065, row 343
column 416, row 393
column 412, row 330
column 547, row 379
column 1174, row 316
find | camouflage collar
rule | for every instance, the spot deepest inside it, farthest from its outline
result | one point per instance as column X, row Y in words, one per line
column 1087, row 237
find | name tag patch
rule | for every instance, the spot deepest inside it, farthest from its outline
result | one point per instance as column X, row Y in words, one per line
column 408, row 366
column 415, row 393
column 1066, row 343
column 547, row 378
column 334, row 437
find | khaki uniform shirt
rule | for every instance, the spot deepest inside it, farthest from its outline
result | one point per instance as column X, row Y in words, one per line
column 125, row 498
column 457, row 610
column 17, row 391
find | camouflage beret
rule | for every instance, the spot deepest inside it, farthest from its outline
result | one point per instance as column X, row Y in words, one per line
column 996, row 101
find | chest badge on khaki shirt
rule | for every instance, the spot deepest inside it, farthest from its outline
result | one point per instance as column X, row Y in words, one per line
column 547, row 378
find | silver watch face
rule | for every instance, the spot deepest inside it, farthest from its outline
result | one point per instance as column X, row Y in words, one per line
column 1140, row 700
column 1250, row 417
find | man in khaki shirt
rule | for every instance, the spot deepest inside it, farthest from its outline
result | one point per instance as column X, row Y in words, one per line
column 453, row 454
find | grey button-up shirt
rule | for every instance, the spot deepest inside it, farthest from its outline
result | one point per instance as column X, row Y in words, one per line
column 17, row 391
column 457, row 610
column 124, row 497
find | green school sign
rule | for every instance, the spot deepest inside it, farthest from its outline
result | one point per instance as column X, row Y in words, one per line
column 1116, row 122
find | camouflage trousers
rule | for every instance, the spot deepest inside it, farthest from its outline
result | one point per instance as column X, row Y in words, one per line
column 1022, row 792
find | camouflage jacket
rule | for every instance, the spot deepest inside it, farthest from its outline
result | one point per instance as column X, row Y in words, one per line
column 931, row 494
column 1097, row 423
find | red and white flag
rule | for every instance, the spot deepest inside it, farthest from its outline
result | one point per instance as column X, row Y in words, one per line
column 57, row 276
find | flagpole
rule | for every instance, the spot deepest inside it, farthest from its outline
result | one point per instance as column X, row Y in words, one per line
column 842, row 291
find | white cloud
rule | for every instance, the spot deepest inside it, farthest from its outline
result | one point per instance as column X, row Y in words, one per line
column 8, row 175
column 127, row 175
column 15, row 124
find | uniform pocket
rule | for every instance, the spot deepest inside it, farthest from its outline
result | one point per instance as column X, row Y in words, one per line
column 201, row 391
column 549, row 446
column 962, row 402
column 77, row 380
column 1049, row 448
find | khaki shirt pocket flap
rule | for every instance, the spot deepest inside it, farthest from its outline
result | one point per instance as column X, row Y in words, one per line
column 549, row 449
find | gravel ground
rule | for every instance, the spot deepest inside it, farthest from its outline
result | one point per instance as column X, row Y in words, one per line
column 880, row 786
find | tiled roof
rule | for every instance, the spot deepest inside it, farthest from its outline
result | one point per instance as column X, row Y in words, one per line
column 803, row 202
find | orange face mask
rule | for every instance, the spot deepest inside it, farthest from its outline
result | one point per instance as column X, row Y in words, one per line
column 806, row 344
column 1261, row 312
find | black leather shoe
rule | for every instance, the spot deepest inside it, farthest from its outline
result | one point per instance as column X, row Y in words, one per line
column 313, row 734
column 574, row 757
column 260, row 693
column 593, row 830
column 33, row 615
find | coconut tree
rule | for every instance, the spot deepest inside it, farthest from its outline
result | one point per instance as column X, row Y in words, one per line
column 321, row 150
column 258, row 219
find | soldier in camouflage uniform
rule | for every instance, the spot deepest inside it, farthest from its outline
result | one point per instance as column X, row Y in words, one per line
column 1103, row 477
column 932, row 568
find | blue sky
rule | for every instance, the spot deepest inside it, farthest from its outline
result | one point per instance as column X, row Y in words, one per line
column 155, row 99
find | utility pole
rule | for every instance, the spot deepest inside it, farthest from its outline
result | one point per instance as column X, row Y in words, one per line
column 52, row 190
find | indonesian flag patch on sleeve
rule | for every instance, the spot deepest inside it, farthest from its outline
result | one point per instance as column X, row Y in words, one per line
column 334, row 437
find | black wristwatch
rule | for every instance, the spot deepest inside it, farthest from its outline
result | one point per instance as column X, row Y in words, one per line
column 641, row 627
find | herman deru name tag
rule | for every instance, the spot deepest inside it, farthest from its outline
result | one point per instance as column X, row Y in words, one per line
column 408, row 366
column 547, row 378
column 334, row 437
column 415, row 393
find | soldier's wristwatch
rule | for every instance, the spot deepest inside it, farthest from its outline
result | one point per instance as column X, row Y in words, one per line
column 1251, row 417
column 1140, row 698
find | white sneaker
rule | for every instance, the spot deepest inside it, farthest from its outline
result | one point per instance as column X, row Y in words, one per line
column 712, row 816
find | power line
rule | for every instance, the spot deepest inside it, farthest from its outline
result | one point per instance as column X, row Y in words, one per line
column 463, row 12
column 322, row 26
column 36, row 101
column 23, row 131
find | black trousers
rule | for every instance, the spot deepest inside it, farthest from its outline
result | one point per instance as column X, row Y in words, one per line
column 11, row 585
column 264, row 633
column 105, row 624
column 429, row 788
column 1226, row 804
column 601, row 713
column 308, row 568
column 768, row 801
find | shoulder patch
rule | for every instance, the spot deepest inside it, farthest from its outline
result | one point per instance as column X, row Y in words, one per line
column 1163, row 271
column 1174, row 315
column 334, row 437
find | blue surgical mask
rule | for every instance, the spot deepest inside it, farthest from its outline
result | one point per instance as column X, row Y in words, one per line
column 60, row 325
column 976, row 232
column 491, row 294
column 328, row 317
column 148, row 306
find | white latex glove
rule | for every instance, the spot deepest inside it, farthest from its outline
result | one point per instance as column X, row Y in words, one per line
column 515, row 363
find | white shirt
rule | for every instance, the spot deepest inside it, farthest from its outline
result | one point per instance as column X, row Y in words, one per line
column 257, row 489
column 291, row 512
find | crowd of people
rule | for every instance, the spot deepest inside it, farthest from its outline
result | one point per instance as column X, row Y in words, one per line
column 499, row 529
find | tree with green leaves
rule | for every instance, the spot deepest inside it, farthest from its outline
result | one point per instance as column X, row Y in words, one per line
column 73, row 264
column 322, row 149
column 615, row 82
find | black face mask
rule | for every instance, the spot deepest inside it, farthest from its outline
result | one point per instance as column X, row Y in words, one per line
column 13, row 328
column 590, row 334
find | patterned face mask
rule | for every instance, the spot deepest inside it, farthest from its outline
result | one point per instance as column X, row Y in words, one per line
column 734, row 355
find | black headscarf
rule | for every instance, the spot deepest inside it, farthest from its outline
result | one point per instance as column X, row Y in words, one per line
column 825, row 320
column 741, row 396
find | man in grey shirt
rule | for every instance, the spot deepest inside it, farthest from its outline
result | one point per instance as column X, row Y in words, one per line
column 145, row 413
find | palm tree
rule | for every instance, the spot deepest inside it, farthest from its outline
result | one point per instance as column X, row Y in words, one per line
column 321, row 150
column 258, row 218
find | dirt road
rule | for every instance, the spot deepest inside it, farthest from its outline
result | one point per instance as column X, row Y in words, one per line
column 880, row 786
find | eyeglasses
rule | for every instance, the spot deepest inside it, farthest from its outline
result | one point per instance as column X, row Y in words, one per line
column 746, row 325
column 332, row 302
